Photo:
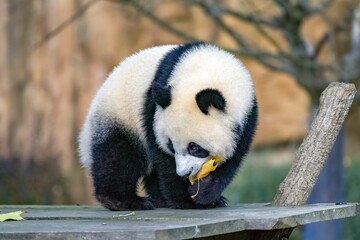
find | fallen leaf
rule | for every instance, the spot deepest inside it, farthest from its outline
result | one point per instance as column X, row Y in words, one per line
column 206, row 168
column 12, row 216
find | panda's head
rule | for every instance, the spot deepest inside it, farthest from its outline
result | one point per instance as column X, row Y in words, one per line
column 201, row 109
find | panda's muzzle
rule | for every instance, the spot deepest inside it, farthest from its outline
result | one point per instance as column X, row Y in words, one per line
column 187, row 165
column 186, row 175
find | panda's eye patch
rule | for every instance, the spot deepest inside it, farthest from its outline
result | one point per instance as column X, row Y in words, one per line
column 197, row 151
column 171, row 146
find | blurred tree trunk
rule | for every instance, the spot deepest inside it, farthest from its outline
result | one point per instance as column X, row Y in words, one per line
column 39, row 107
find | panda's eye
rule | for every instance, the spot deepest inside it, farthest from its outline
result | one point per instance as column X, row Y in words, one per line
column 197, row 151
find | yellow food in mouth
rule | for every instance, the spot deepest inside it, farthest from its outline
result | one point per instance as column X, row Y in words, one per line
column 206, row 168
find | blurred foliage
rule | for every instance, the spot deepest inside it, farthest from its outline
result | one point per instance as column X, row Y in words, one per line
column 352, row 194
column 32, row 183
column 264, row 170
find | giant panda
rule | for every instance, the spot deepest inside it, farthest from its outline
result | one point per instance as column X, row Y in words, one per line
column 158, row 117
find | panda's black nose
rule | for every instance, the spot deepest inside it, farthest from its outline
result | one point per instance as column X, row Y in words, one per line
column 188, row 175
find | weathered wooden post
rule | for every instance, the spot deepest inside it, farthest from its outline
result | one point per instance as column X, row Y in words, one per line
column 335, row 103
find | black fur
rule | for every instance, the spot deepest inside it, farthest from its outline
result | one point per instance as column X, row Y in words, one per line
column 208, row 97
column 171, row 146
column 152, row 185
column 161, row 94
column 115, row 173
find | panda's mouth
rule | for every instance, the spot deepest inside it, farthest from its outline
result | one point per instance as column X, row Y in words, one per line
column 187, row 174
column 190, row 173
column 187, row 165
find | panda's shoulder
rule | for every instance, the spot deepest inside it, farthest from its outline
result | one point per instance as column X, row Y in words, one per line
column 147, row 54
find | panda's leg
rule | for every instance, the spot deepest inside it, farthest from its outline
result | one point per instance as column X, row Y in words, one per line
column 118, row 165
column 177, row 191
column 152, row 186
column 173, row 188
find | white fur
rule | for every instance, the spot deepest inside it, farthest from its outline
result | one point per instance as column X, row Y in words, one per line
column 121, row 97
column 183, row 122
column 187, row 165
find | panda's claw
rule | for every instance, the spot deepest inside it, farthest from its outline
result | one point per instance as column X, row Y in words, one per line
column 221, row 202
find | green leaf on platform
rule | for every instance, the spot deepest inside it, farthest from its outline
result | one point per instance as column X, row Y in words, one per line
column 12, row 216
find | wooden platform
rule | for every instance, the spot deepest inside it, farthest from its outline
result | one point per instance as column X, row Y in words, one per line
column 85, row 222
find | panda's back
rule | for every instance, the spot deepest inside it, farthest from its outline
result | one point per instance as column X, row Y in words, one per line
column 123, row 94
column 121, row 98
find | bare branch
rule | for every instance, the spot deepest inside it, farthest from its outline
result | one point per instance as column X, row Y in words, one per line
column 282, row 4
column 326, row 3
column 320, row 8
column 269, row 38
column 351, row 60
column 321, row 43
column 245, row 17
column 79, row 12
column 148, row 13
column 275, row 61
column 214, row 13
column 251, row 18
column 295, row 62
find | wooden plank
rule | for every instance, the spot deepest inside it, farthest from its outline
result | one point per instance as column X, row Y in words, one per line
column 85, row 222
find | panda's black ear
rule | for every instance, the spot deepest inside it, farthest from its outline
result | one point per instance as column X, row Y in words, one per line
column 161, row 95
column 208, row 97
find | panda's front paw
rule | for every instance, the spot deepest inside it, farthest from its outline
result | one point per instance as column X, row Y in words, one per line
column 208, row 194
column 138, row 203
column 221, row 202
